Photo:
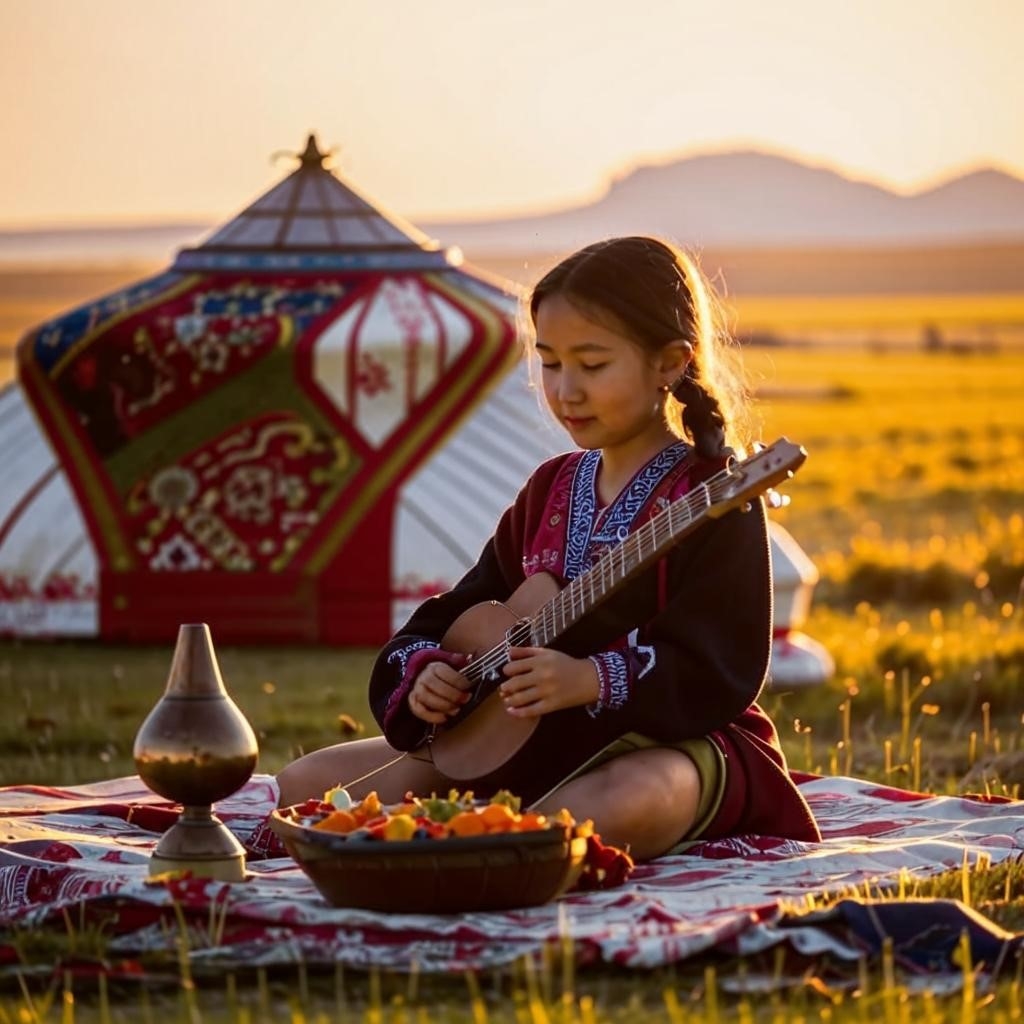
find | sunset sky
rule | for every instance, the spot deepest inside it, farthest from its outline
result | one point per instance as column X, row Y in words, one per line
column 120, row 111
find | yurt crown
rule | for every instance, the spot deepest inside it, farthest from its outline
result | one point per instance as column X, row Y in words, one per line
column 311, row 156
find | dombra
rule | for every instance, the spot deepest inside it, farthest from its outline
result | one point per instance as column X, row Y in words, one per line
column 483, row 736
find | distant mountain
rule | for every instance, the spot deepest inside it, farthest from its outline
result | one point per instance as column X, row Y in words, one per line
column 745, row 200
column 758, row 199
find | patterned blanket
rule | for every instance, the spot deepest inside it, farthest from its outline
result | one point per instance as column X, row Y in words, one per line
column 77, row 857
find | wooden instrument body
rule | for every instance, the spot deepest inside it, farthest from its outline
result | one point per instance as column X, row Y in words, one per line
column 484, row 736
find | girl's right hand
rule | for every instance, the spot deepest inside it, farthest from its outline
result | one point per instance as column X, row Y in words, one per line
column 438, row 693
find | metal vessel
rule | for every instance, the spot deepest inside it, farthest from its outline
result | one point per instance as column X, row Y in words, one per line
column 195, row 748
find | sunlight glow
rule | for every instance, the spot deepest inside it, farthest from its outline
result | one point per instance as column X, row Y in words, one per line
column 119, row 111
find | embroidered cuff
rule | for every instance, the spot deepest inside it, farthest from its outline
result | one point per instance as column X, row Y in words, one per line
column 613, row 676
column 411, row 660
column 401, row 656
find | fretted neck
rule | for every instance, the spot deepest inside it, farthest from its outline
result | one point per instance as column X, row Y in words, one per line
column 623, row 562
column 730, row 488
column 616, row 567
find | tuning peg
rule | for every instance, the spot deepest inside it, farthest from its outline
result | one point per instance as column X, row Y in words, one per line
column 773, row 499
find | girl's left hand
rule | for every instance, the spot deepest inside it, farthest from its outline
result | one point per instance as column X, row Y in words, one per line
column 540, row 680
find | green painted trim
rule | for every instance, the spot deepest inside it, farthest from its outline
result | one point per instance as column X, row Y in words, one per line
column 267, row 386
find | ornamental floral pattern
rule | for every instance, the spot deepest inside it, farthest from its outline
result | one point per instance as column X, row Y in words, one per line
column 246, row 501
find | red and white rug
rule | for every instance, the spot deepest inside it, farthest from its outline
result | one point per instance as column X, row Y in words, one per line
column 80, row 855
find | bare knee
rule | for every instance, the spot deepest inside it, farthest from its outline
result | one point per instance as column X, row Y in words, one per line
column 301, row 779
column 314, row 773
column 660, row 788
column 645, row 800
column 360, row 766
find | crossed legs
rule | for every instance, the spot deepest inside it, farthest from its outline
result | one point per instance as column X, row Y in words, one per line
column 645, row 800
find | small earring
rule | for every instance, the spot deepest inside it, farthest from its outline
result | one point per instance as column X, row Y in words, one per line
column 664, row 388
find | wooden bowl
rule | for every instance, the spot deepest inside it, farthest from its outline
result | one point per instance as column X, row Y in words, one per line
column 491, row 872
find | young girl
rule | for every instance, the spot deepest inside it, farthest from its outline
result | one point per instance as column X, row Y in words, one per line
column 644, row 712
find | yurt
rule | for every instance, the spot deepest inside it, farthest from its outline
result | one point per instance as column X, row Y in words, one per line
column 304, row 426
column 270, row 436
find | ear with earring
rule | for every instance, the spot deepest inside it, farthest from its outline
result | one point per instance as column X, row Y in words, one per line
column 680, row 355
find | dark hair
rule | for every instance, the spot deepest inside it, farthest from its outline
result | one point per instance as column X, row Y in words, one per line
column 654, row 293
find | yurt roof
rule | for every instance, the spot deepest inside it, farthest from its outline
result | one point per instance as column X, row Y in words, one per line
column 315, row 220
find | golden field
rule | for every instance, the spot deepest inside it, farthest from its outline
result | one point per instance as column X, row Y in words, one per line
column 876, row 417
column 926, row 434
column 983, row 319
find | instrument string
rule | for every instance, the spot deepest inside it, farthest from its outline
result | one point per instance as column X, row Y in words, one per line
column 378, row 769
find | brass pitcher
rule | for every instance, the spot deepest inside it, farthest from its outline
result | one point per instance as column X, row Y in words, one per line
column 195, row 748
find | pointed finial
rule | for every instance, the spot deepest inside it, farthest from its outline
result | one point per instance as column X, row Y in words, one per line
column 311, row 156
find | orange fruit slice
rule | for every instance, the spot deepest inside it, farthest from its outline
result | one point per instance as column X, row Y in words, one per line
column 367, row 808
column 498, row 817
column 531, row 821
column 467, row 823
column 338, row 821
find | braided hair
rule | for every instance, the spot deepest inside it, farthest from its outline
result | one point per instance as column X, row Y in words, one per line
column 702, row 416
column 653, row 293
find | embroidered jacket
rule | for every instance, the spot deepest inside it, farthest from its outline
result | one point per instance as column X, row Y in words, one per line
column 681, row 652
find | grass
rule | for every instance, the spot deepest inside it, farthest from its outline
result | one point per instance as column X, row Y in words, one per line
column 547, row 991
column 911, row 507
column 79, row 706
column 778, row 986
column 74, row 709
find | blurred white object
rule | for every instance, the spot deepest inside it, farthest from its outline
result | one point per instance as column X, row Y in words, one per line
column 797, row 659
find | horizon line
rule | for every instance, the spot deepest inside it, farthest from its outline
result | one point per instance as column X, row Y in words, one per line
column 740, row 147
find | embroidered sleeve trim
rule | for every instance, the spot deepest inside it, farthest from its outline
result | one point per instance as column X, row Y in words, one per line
column 411, row 660
column 401, row 656
column 613, row 676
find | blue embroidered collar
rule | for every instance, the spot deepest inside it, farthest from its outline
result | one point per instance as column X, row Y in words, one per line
column 583, row 531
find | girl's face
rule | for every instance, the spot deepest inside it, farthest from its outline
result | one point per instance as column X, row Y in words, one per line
column 601, row 386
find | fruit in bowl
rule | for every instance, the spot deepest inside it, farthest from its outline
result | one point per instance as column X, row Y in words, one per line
column 433, row 854
column 456, row 816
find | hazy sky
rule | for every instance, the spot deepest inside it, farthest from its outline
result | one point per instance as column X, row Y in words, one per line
column 121, row 110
